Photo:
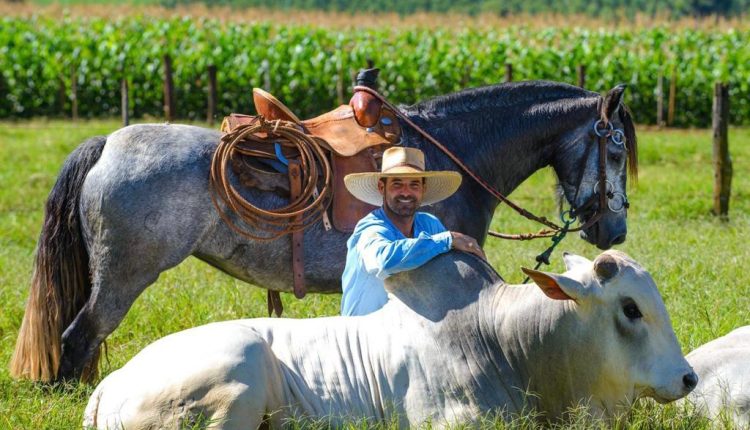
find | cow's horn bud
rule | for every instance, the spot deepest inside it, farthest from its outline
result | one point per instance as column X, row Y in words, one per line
column 605, row 267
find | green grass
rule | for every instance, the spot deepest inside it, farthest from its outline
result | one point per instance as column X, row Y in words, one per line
column 695, row 259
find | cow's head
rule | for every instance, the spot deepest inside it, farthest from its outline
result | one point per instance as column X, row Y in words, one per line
column 622, row 328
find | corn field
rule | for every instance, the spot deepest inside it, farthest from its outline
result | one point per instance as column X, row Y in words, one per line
column 310, row 68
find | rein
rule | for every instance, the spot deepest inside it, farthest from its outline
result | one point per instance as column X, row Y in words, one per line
column 489, row 188
column 605, row 134
column 603, row 129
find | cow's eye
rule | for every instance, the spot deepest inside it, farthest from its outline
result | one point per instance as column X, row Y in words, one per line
column 631, row 311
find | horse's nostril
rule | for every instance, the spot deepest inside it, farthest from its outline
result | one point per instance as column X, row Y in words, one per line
column 619, row 239
column 690, row 380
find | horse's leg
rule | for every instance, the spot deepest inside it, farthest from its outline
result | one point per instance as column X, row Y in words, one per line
column 140, row 217
column 125, row 259
column 101, row 315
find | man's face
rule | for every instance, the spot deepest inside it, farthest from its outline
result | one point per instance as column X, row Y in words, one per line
column 402, row 196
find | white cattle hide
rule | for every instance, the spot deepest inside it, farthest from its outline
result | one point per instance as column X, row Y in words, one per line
column 453, row 342
column 723, row 366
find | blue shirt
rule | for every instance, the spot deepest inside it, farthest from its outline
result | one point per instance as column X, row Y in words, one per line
column 378, row 249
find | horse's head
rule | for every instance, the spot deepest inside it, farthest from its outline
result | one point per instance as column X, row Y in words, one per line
column 580, row 168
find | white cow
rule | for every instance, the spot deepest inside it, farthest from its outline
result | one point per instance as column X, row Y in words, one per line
column 724, row 369
column 453, row 342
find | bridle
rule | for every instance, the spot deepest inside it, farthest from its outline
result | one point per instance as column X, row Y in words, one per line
column 604, row 193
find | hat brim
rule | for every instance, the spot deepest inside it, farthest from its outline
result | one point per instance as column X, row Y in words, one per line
column 439, row 185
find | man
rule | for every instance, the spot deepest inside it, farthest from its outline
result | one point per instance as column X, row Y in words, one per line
column 395, row 237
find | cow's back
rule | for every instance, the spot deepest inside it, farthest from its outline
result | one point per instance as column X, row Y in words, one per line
column 340, row 368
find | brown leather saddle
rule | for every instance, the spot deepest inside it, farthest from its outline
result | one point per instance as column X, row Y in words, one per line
column 355, row 136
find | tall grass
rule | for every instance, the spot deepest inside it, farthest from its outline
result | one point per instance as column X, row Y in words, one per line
column 696, row 260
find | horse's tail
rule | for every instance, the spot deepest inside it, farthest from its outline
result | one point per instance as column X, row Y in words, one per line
column 61, row 282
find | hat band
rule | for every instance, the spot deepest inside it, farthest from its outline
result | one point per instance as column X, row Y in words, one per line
column 413, row 166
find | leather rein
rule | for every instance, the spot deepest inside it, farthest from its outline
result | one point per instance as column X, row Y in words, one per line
column 605, row 132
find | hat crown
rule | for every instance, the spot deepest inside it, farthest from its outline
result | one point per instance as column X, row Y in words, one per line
column 402, row 157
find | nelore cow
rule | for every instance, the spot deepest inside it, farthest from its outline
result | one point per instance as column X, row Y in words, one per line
column 453, row 343
column 723, row 366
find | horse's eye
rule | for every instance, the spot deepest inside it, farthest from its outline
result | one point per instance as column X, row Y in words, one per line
column 631, row 311
column 616, row 158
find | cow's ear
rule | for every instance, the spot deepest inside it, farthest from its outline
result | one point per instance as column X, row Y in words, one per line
column 573, row 261
column 558, row 287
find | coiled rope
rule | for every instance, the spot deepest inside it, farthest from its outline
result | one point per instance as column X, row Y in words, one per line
column 258, row 139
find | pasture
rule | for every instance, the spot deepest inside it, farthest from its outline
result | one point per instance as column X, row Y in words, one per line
column 695, row 259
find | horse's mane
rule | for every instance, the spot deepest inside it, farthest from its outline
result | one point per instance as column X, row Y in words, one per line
column 510, row 95
column 631, row 141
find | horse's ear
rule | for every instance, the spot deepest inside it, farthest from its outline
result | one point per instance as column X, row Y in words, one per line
column 612, row 101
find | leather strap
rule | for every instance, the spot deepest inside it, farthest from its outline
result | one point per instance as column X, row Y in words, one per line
column 298, row 251
column 274, row 303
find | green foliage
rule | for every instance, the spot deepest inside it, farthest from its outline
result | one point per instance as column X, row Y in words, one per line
column 39, row 57
column 608, row 8
column 696, row 260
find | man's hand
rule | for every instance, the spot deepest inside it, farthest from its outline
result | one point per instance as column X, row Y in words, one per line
column 468, row 244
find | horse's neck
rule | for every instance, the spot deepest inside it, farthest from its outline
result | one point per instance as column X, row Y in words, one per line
column 496, row 148
column 480, row 155
column 501, row 150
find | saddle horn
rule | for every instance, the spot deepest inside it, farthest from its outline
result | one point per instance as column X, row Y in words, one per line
column 366, row 107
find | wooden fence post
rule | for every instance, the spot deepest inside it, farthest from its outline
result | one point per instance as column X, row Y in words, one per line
column 169, row 111
column 74, row 92
column 660, row 100
column 212, row 91
column 466, row 77
column 266, row 75
column 581, row 75
column 722, row 160
column 508, row 72
column 339, row 81
column 62, row 93
column 125, row 102
column 672, row 97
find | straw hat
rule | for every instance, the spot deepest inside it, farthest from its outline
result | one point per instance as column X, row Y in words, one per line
column 399, row 162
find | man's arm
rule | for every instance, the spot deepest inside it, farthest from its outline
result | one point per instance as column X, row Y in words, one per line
column 383, row 257
column 459, row 241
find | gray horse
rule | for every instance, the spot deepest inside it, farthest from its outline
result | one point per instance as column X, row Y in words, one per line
column 131, row 205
